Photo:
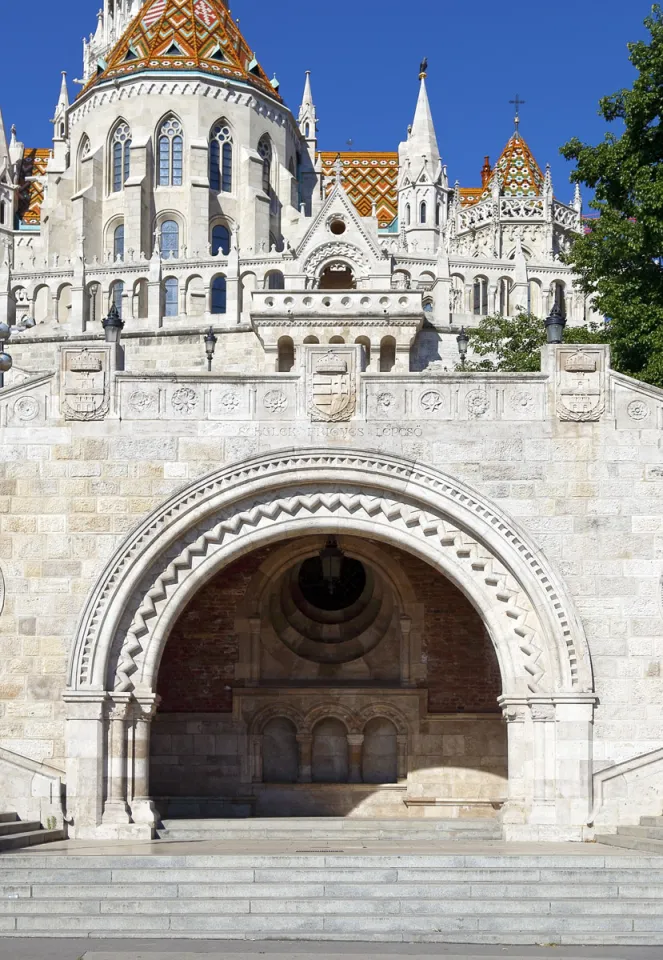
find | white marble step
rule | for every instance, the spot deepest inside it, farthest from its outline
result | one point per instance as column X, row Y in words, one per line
column 587, row 897
column 329, row 829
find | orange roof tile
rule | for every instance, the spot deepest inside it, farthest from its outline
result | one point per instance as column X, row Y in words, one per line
column 181, row 35
column 31, row 194
column 520, row 173
column 368, row 178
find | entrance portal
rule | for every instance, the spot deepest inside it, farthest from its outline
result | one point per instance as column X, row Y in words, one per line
column 329, row 676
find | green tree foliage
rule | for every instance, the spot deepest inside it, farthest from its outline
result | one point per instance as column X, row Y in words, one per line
column 619, row 260
column 513, row 344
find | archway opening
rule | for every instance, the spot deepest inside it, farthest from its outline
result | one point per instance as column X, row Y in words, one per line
column 329, row 676
column 337, row 276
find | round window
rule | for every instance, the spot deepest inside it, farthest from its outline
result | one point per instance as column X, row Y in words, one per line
column 344, row 592
column 337, row 227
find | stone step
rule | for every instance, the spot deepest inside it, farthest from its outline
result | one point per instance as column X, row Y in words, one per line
column 500, row 898
column 651, row 821
column 19, row 826
column 29, row 838
column 8, row 817
column 642, row 832
column 631, row 842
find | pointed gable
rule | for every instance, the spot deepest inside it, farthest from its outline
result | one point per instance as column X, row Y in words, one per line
column 519, row 172
column 184, row 35
column 338, row 204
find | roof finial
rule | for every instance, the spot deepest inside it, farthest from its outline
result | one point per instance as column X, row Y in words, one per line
column 423, row 69
column 338, row 169
column 518, row 103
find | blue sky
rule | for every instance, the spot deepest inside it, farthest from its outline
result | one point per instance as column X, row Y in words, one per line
column 364, row 57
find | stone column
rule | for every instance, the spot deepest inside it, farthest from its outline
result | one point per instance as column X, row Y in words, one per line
column 255, row 624
column 518, row 764
column 406, row 628
column 305, row 741
column 544, row 763
column 116, row 809
column 85, row 752
column 142, row 806
column 574, row 760
column 355, row 744
column 401, row 762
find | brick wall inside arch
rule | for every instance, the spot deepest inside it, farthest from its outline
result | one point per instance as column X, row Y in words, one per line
column 197, row 669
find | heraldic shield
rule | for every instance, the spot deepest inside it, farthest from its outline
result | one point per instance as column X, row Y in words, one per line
column 332, row 390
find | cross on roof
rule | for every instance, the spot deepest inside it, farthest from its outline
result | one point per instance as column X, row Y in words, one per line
column 518, row 103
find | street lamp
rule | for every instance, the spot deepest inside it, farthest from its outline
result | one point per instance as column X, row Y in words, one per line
column 555, row 323
column 210, row 347
column 331, row 559
column 113, row 325
column 462, row 340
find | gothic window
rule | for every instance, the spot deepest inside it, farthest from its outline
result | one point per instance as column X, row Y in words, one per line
column 559, row 296
column 83, row 152
column 221, row 158
column 219, row 295
column 170, row 297
column 121, row 156
column 535, row 298
column 286, row 355
column 480, row 306
column 118, row 242
column 265, row 152
column 387, row 354
column 170, row 239
column 116, row 295
column 408, row 215
column 275, row 280
column 220, row 240
column 2, row 212
column 422, row 213
column 505, row 296
column 438, row 214
column 170, row 153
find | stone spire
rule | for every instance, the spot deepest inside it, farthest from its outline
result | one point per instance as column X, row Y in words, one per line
column 4, row 146
column 308, row 119
column 422, row 141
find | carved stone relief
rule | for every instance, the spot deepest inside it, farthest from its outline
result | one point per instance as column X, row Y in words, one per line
column 331, row 383
column 580, row 388
column 85, row 393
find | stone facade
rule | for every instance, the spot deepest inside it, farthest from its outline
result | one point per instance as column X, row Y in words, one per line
column 163, row 514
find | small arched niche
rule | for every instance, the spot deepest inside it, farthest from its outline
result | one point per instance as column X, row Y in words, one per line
column 330, row 752
column 379, row 762
column 280, row 759
column 337, row 276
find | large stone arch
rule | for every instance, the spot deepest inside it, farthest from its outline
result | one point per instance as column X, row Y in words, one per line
column 164, row 562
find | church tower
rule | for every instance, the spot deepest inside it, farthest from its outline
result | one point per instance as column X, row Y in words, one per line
column 308, row 120
column 422, row 180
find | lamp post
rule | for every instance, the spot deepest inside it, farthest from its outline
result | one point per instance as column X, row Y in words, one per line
column 113, row 325
column 210, row 347
column 555, row 323
column 462, row 340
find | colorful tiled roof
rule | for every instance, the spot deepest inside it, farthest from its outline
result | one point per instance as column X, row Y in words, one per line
column 184, row 35
column 368, row 178
column 31, row 194
column 520, row 173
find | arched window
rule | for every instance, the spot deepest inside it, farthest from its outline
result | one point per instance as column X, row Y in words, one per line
column 2, row 211
column 480, row 305
column 170, row 297
column 387, row 354
column 118, row 242
column 422, row 212
column 286, row 359
column 311, row 340
column 379, row 761
column 505, row 296
column 535, row 299
column 221, row 158
column 438, row 214
column 170, row 153
column 116, row 295
column 220, row 240
column 121, row 154
column 219, row 290
column 170, row 239
column 265, row 152
column 366, row 352
column 280, row 751
column 559, row 296
column 457, row 293
column 408, row 215
column 275, row 280
column 330, row 760
column 82, row 172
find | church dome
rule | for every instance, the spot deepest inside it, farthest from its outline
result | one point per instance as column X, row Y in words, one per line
column 179, row 36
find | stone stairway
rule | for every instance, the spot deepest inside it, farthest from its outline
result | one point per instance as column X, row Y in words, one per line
column 596, row 895
column 15, row 833
column 330, row 830
column 648, row 836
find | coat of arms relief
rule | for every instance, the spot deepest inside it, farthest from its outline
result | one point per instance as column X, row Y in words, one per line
column 580, row 386
column 331, row 383
column 85, row 388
